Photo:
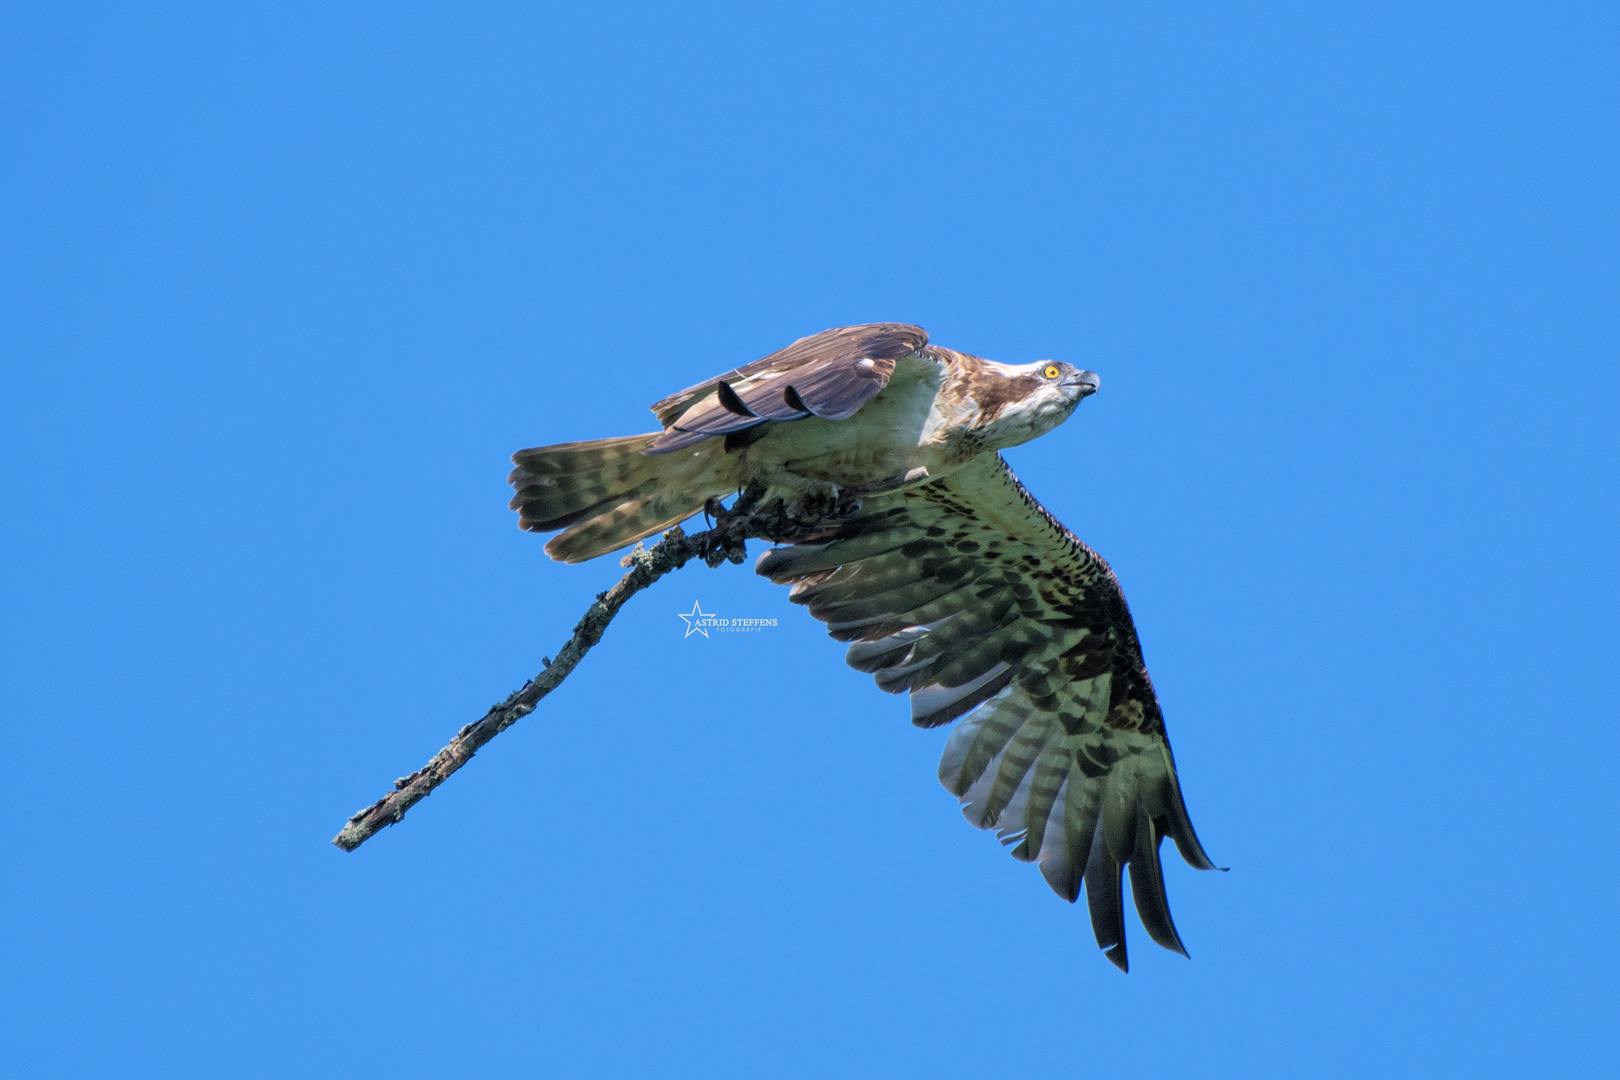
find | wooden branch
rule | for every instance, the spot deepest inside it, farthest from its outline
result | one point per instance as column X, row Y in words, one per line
column 725, row 542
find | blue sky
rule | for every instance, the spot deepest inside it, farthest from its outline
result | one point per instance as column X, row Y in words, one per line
column 285, row 284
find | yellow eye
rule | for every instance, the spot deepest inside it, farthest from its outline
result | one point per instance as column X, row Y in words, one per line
column 1051, row 371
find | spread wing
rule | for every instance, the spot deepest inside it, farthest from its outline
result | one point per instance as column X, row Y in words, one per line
column 830, row 374
column 968, row 594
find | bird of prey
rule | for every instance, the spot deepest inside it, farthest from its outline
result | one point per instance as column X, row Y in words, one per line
column 948, row 579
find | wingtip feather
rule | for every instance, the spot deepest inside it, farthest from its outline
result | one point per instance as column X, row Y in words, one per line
column 1117, row 957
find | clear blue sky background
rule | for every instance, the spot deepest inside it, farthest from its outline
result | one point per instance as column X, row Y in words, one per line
column 285, row 284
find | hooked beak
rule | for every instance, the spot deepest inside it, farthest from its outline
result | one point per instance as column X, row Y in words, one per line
column 1089, row 382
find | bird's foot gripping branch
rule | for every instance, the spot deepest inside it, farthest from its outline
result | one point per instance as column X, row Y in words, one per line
column 725, row 541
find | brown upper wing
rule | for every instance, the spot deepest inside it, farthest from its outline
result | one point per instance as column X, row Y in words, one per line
column 969, row 595
column 830, row 374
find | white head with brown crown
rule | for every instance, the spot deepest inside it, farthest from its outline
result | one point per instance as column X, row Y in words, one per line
column 1020, row 402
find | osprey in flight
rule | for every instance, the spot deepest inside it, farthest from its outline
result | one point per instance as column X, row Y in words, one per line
column 951, row 582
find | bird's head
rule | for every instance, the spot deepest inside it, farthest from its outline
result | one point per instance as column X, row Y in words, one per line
column 1019, row 402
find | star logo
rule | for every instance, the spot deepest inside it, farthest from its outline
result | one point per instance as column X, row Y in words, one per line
column 697, row 612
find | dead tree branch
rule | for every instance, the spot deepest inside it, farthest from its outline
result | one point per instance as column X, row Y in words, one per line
column 726, row 541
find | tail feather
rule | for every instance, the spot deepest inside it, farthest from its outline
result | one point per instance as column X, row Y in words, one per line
column 605, row 493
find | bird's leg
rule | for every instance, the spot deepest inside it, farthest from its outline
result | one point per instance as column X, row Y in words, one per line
column 815, row 505
column 757, row 514
column 727, row 539
column 749, row 497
